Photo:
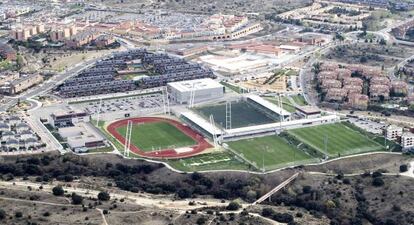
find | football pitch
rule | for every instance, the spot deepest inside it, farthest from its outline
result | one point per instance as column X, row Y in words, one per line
column 271, row 151
column 242, row 114
column 339, row 139
column 157, row 136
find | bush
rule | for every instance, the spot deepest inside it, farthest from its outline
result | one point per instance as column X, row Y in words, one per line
column 268, row 212
column 377, row 182
column 76, row 199
column 403, row 168
column 282, row 217
column 46, row 214
column 233, row 206
column 104, row 196
column 2, row 214
column 58, row 191
column 183, row 193
column 201, row 221
column 18, row 214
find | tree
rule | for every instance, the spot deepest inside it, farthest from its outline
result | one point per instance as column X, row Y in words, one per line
column 58, row 191
column 201, row 220
column 183, row 193
column 383, row 42
column 2, row 214
column 377, row 182
column 76, row 199
column 403, row 168
column 104, row 196
column 233, row 206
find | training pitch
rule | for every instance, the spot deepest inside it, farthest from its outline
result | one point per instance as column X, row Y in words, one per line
column 271, row 151
column 336, row 139
column 242, row 114
column 156, row 137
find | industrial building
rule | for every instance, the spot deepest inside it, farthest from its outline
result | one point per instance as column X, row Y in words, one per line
column 201, row 89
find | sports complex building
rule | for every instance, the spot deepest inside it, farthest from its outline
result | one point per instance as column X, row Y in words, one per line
column 258, row 117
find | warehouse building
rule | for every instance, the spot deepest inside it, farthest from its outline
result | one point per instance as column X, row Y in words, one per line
column 202, row 89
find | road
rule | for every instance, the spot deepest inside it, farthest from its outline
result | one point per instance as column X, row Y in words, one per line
column 51, row 83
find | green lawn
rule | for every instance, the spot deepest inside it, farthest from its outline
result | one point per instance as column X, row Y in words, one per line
column 158, row 135
column 286, row 105
column 273, row 151
column 341, row 139
column 210, row 161
column 299, row 99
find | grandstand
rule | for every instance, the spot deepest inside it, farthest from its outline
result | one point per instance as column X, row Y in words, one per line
column 250, row 116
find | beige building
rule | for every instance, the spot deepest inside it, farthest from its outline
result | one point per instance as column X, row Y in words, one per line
column 407, row 141
column 22, row 83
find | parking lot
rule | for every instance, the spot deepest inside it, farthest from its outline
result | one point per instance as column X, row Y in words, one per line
column 368, row 125
column 143, row 104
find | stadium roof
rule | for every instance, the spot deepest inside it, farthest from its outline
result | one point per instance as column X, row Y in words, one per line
column 259, row 100
column 198, row 84
column 202, row 123
column 285, row 124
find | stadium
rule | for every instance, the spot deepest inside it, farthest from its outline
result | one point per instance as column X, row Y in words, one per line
column 155, row 137
column 247, row 117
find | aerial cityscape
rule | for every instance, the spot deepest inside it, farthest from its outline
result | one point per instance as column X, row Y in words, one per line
column 197, row 112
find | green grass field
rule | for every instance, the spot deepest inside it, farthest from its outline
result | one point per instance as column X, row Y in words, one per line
column 273, row 151
column 242, row 114
column 158, row 135
column 209, row 161
column 299, row 99
column 341, row 139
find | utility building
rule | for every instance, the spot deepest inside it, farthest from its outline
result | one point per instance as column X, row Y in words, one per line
column 201, row 90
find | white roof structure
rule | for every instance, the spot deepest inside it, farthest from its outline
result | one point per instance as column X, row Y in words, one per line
column 274, row 108
column 202, row 123
column 283, row 125
column 198, row 84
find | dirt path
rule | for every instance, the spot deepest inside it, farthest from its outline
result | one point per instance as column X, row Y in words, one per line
column 146, row 200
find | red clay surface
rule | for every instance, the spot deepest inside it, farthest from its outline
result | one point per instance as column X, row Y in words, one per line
column 201, row 145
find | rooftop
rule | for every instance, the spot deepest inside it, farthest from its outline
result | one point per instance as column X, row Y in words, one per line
column 199, row 84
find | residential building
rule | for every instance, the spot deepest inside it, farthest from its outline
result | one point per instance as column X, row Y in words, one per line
column 393, row 132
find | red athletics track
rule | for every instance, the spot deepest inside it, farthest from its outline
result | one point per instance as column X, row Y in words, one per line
column 165, row 153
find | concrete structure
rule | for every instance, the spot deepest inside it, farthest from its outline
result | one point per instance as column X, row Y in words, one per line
column 407, row 141
column 7, row 52
column 393, row 132
column 309, row 112
column 81, row 136
column 24, row 82
column 203, row 89
column 68, row 118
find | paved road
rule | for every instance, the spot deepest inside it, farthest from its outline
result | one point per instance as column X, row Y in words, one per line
column 51, row 83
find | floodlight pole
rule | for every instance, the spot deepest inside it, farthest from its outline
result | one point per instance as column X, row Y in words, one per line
column 228, row 115
column 215, row 141
column 99, row 112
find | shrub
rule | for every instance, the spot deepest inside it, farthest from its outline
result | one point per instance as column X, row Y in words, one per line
column 201, row 221
column 282, row 217
column 403, row 168
column 46, row 214
column 58, row 191
column 2, row 214
column 377, row 182
column 233, row 206
column 104, row 196
column 76, row 199
column 18, row 214
column 268, row 212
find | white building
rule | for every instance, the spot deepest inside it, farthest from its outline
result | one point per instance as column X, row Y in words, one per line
column 81, row 136
column 202, row 89
column 392, row 132
column 407, row 141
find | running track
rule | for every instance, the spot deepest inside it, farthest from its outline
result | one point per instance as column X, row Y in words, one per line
column 201, row 145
